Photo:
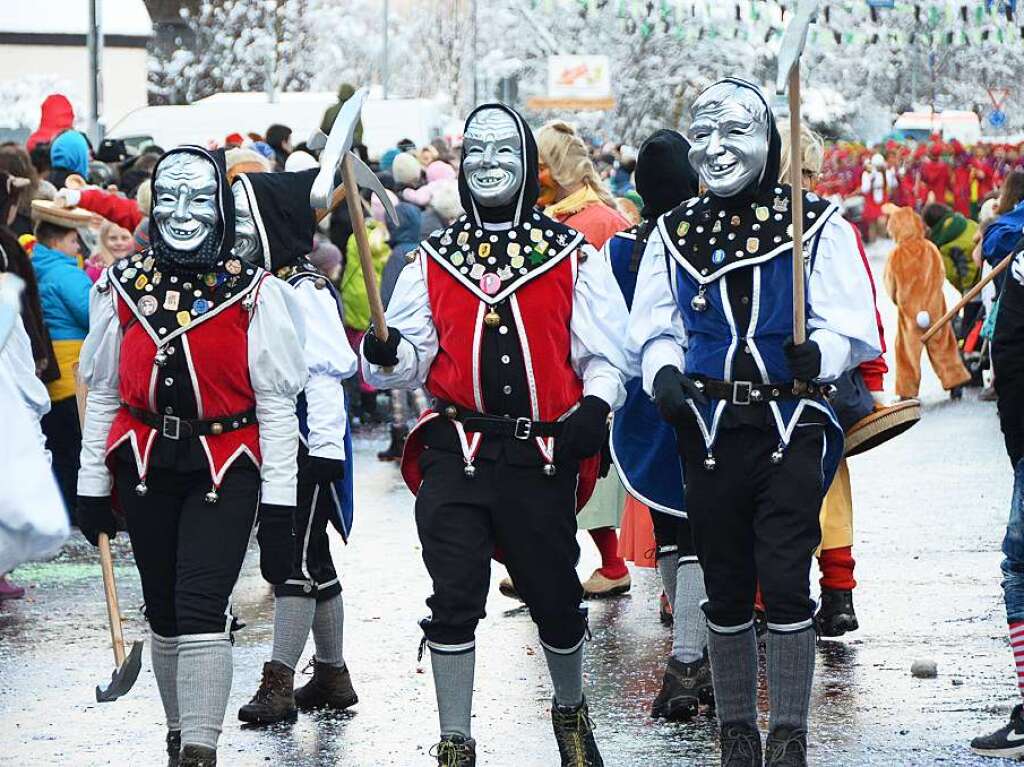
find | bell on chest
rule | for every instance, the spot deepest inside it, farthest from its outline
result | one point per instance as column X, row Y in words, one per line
column 160, row 359
column 492, row 319
column 699, row 303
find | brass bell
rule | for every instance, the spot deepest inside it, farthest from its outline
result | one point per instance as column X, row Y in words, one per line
column 710, row 463
column 216, row 428
column 549, row 470
column 699, row 302
column 451, row 412
column 469, row 471
column 777, row 455
column 212, row 496
column 141, row 489
column 492, row 319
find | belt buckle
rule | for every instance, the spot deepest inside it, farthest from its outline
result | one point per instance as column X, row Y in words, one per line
column 170, row 427
column 741, row 392
column 523, row 428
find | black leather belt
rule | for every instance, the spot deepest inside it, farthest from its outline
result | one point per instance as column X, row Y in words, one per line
column 749, row 393
column 514, row 428
column 172, row 427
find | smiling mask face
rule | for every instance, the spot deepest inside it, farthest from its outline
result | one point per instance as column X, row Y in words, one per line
column 247, row 240
column 493, row 158
column 185, row 200
column 728, row 138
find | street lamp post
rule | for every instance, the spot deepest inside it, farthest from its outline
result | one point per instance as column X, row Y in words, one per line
column 94, row 41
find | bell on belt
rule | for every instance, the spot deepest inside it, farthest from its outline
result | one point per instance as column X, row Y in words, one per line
column 492, row 319
column 710, row 463
column 212, row 496
column 141, row 489
column 699, row 302
column 777, row 455
column 549, row 470
column 469, row 471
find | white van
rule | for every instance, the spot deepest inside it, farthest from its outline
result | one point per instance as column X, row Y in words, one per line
column 965, row 127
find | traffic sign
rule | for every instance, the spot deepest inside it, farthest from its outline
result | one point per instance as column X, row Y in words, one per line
column 997, row 118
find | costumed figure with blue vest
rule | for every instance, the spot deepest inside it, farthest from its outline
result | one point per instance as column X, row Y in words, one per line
column 645, row 449
column 712, row 326
column 275, row 229
column 513, row 323
column 194, row 364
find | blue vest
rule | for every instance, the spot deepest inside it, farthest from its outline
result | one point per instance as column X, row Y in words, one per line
column 643, row 446
column 714, row 340
column 341, row 489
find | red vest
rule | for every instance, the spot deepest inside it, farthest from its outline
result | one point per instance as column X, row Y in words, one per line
column 542, row 309
column 217, row 353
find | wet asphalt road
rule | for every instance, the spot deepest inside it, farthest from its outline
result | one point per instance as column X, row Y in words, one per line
column 930, row 508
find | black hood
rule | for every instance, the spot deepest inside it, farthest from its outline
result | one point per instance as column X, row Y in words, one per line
column 769, row 178
column 217, row 245
column 664, row 176
column 284, row 219
column 523, row 202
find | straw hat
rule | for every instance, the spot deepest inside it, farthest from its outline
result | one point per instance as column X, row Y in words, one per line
column 70, row 218
column 881, row 426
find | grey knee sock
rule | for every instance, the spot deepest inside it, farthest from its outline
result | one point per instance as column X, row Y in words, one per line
column 328, row 631
column 566, row 671
column 204, row 682
column 163, row 653
column 453, row 685
column 734, row 673
column 668, row 565
column 790, row 674
column 293, row 618
column 689, row 626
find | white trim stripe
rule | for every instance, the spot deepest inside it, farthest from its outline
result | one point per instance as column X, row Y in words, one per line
column 524, row 344
column 478, row 397
column 790, row 628
column 730, row 629
column 559, row 651
column 451, row 649
column 187, row 351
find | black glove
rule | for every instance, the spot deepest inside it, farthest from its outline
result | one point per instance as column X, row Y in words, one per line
column 277, row 542
column 95, row 516
column 671, row 390
column 804, row 360
column 324, row 470
column 584, row 432
column 382, row 353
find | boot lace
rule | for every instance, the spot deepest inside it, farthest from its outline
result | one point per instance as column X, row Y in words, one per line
column 451, row 753
column 571, row 728
column 738, row 747
column 779, row 753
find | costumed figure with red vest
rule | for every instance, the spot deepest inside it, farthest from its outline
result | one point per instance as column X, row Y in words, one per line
column 877, row 183
column 275, row 226
column 935, row 175
column 514, row 324
column 712, row 327
column 194, row 361
column 645, row 450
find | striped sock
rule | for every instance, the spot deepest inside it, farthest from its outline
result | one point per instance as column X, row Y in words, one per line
column 1017, row 645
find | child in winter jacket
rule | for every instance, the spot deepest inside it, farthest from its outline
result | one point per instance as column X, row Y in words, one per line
column 914, row 275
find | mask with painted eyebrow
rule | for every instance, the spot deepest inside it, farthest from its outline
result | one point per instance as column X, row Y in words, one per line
column 185, row 206
column 726, row 159
column 494, row 174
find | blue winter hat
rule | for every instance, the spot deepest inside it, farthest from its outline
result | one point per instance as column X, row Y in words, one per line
column 70, row 150
column 263, row 148
column 388, row 158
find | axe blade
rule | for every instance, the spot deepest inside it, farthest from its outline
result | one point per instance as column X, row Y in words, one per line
column 338, row 143
column 367, row 179
column 794, row 40
column 317, row 141
column 123, row 678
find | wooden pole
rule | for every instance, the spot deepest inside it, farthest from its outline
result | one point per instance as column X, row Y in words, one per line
column 969, row 296
column 797, row 207
column 355, row 211
column 336, row 200
column 113, row 609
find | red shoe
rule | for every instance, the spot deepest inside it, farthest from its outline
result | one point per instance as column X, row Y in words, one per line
column 8, row 590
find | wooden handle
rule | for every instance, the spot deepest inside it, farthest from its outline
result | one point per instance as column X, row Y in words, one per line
column 113, row 609
column 355, row 211
column 969, row 296
column 797, row 207
column 337, row 198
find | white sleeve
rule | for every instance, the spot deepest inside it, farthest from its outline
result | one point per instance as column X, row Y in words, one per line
column 598, row 330
column 98, row 368
column 656, row 336
column 277, row 370
column 409, row 313
column 841, row 320
column 16, row 356
column 329, row 361
column 865, row 182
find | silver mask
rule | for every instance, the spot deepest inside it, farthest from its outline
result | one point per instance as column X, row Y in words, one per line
column 493, row 158
column 247, row 239
column 185, row 205
column 728, row 138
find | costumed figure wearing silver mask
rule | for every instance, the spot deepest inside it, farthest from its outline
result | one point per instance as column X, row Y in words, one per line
column 193, row 363
column 712, row 325
column 274, row 228
column 514, row 324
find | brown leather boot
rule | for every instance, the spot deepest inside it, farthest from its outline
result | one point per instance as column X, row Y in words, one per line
column 330, row 687
column 274, row 701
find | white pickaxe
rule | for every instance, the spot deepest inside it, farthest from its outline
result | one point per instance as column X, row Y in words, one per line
column 793, row 42
column 354, row 174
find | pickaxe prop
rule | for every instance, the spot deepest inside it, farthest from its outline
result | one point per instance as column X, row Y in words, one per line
column 126, row 670
column 354, row 174
column 793, row 42
column 971, row 294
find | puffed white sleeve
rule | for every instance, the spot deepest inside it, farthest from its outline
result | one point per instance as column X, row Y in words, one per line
column 841, row 319
column 98, row 369
column 329, row 361
column 598, row 330
column 656, row 335
column 16, row 356
column 277, row 369
column 409, row 313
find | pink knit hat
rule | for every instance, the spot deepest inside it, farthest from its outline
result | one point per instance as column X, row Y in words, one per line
column 439, row 171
